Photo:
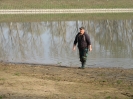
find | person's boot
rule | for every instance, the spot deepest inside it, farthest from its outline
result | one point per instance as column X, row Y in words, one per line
column 82, row 66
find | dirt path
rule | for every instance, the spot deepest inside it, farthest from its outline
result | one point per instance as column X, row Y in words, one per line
column 23, row 81
column 63, row 11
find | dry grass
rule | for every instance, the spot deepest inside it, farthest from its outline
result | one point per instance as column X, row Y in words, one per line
column 51, row 82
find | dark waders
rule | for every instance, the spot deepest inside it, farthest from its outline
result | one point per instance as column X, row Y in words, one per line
column 83, row 57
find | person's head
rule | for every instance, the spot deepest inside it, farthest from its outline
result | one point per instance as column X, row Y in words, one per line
column 82, row 30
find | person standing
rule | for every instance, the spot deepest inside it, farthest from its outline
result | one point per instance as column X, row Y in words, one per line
column 84, row 44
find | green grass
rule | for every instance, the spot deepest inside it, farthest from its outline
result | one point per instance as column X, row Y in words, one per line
column 119, row 82
column 43, row 4
column 66, row 17
column 17, row 74
column 3, row 97
column 108, row 97
column 2, row 79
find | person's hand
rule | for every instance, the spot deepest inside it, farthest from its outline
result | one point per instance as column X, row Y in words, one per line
column 90, row 49
column 74, row 48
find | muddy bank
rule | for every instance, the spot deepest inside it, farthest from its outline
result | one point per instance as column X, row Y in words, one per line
column 25, row 81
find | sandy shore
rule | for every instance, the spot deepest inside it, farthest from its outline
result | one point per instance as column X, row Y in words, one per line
column 25, row 81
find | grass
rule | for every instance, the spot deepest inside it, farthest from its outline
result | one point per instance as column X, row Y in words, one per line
column 2, row 96
column 66, row 17
column 119, row 81
column 65, row 4
column 17, row 74
column 54, row 82
column 108, row 97
column 2, row 79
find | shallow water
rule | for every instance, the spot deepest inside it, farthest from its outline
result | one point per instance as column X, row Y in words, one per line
column 51, row 42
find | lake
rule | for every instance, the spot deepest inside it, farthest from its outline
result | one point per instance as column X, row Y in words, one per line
column 51, row 42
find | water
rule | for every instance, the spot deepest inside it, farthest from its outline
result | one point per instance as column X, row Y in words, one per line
column 51, row 42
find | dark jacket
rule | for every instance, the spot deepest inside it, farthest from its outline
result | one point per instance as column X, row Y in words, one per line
column 83, row 40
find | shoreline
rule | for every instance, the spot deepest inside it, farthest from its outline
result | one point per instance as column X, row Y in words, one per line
column 62, row 66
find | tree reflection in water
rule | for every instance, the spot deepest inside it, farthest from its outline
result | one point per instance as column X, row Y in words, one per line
column 53, row 40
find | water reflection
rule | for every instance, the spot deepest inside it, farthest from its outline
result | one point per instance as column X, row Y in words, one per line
column 51, row 42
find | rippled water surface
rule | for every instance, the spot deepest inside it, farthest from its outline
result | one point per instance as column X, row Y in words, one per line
column 51, row 42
